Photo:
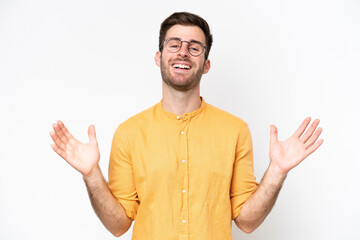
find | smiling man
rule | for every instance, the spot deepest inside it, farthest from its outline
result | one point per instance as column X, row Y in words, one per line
column 183, row 169
column 182, row 67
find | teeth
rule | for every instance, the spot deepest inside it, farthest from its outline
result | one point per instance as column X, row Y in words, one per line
column 181, row 66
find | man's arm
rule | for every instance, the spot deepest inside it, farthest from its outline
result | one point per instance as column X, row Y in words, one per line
column 85, row 158
column 105, row 205
column 284, row 156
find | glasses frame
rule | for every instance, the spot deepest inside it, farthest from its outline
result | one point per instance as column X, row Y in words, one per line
column 203, row 47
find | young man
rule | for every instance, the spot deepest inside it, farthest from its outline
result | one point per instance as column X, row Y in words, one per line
column 183, row 168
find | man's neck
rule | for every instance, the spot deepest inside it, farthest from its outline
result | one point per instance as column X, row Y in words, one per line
column 178, row 102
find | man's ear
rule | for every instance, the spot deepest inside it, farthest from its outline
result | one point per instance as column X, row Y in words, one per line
column 206, row 66
column 157, row 58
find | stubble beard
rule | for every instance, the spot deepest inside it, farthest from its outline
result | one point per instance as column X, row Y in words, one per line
column 177, row 81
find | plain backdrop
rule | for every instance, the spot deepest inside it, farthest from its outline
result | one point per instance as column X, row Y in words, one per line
column 92, row 62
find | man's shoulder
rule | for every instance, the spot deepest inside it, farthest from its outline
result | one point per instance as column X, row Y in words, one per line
column 134, row 126
column 224, row 116
column 139, row 118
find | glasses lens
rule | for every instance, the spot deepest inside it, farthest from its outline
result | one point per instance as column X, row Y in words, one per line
column 195, row 49
column 173, row 45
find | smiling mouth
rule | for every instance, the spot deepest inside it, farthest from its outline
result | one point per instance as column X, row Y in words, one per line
column 181, row 66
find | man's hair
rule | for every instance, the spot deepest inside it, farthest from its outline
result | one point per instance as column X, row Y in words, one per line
column 186, row 19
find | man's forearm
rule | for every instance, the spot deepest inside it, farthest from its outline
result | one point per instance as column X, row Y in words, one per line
column 258, row 206
column 105, row 205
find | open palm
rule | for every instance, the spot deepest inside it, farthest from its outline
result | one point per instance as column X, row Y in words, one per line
column 84, row 157
column 289, row 153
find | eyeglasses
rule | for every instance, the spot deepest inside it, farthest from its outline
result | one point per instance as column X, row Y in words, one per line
column 195, row 48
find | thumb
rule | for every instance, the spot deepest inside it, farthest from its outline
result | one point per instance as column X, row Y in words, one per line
column 273, row 134
column 92, row 134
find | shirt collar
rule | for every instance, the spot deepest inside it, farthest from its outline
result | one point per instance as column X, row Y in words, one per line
column 185, row 115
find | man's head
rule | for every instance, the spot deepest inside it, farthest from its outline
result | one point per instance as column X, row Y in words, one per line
column 186, row 19
column 185, row 42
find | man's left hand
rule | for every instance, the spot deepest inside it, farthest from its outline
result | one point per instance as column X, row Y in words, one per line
column 285, row 155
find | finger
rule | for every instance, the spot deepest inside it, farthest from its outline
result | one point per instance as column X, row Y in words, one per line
column 273, row 134
column 313, row 138
column 302, row 127
column 60, row 152
column 57, row 141
column 313, row 147
column 92, row 134
column 65, row 130
column 310, row 131
column 60, row 133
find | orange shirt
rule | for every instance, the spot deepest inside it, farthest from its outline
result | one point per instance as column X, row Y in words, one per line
column 182, row 177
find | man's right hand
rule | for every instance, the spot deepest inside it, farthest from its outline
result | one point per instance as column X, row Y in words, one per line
column 84, row 157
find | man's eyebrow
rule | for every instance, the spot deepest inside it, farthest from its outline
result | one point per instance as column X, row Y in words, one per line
column 195, row 41
column 174, row 38
column 191, row 40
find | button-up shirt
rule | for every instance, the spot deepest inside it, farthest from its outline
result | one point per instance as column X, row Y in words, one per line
column 182, row 176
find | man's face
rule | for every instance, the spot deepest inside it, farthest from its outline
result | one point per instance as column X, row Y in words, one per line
column 181, row 70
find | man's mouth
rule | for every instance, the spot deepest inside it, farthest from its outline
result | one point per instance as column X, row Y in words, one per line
column 181, row 66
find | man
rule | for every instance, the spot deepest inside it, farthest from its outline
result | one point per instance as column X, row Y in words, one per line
column 183, row 168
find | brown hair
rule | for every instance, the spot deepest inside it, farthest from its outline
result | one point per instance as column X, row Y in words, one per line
column 187, row 19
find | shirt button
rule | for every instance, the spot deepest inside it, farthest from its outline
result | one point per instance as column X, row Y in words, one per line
column 184, row 221
column 184, row 191
column 182, row 132
column 183, row 161
column 178, row 117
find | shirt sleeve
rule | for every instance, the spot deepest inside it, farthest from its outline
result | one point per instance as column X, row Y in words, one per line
column 121, row 178
column 243, row 183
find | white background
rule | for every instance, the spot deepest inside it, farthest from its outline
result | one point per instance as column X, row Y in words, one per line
column 91, row 62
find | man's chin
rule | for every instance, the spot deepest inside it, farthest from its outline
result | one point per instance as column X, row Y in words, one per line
column 182, row 82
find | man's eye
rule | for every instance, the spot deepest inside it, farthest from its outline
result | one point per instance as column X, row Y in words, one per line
column 194, row 47
column 174, row 45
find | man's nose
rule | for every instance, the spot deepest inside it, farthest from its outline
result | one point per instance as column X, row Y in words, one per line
column 184, row 52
